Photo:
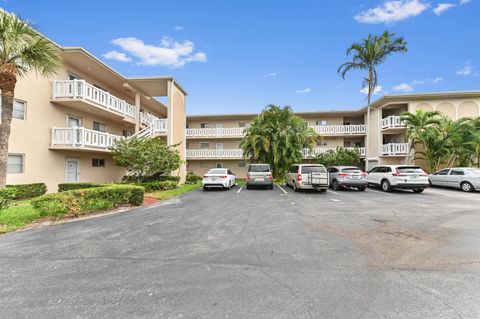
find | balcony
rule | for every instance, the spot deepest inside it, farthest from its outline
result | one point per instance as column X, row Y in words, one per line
column 215, row 154
column 159, row 126
column 340, row 130
column 80, row 138
column 395, row 149
column 320, row 150
column 88, row 98
column 216, row 132
column 392, row 122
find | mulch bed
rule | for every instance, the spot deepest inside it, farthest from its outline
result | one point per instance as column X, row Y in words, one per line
column 147, row 200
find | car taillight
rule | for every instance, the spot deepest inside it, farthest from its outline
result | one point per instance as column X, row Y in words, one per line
column 364, row 174
column 205, row 176
column 397, row 173
column 270, row 177
column 222, row 176
column 343, row 174
column 248, row 177
column 299, row 177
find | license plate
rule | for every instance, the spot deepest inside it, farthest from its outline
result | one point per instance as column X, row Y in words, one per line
column 213, row 179
column 259, row 179
column 413, row 177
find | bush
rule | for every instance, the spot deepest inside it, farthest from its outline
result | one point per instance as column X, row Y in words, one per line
column 72, row 186
column 6, row 196
column 29, row 190
column 340, row 156
column 192, row 178
column 158, row 186
column 78, row 201
column 153, row 178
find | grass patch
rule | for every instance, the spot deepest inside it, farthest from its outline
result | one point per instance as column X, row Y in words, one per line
column 163, row 195
column 240, row 181
column 16, row 217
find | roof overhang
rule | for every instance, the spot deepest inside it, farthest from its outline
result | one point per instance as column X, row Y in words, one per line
column 154, row 86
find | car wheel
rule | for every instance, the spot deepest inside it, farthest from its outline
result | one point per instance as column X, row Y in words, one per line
column 418, row 190
column 335, row 185
column 248, row 186
column 430, row 183
column 295, row 189
column 467, row 187
column 361, row 188
column 205, row 188
column 386, row 186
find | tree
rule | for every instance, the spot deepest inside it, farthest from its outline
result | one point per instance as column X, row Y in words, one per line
column 22, row 49
column 145, row 157
column 278, row 137
column 367, row 56
column 339, row 156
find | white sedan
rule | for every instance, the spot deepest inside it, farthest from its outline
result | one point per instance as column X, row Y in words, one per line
column 218, row 178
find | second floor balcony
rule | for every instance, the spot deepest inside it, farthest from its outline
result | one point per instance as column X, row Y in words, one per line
column 87, row 97
column 395, row 149
column 80, row 138
column 216, row 132
column 340, row 130
column 392, row 122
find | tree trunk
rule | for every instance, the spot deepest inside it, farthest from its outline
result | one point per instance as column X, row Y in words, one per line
column 7, row 87
column 370, row 91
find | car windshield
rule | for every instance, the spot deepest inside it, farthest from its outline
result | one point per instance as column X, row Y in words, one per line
column 217, row 171
column 352, row 170
column 410, row 169
column 309, row 169
column 259, row 168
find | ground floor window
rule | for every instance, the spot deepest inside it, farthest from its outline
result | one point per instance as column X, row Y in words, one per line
column 241, row 164
column 219, row 165
column 98, row 162
column 15, row 163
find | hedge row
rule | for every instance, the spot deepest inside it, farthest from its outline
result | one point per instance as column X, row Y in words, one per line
column 76, row 202
column 63, row 187
column 192, row 178
column 154, row 178
column 6, row 196
column 158, row 186
column 28, row 190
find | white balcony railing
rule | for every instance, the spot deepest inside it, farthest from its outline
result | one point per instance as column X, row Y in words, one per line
column 320, row 150
column 216, row 132
column 147, row 118
column 215, row 153
column 159, row 126
column 392, row 121
column 80, row 137
column 395, row 149
column 332, row 130
column 81, row 90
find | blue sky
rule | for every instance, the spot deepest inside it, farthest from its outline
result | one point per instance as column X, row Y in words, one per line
column 239, row 56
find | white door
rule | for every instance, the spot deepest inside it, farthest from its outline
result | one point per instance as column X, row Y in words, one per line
column 72, row 170
column 74, row 121
column 219, row 148
column 75, row 135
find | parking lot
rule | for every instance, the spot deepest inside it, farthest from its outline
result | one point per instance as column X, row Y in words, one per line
column 255, row 254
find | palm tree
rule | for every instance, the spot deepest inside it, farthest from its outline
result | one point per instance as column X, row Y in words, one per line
column 22, row 49
column 367, row 56
column 277, row 137
column 417, row 123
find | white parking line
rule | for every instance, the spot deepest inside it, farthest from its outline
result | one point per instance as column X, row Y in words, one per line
column 384, row 193
column 240, row 189
column 334, row 200
column 332, row 192
column 282, row 189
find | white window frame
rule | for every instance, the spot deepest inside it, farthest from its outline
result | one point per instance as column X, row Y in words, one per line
column 321, row 122
column 23, row 163
column 204, row 125
column 219, row 165
column 240, row 124
column 100, row 125
column 24, row 109
column 99, row 159
column 74, row 117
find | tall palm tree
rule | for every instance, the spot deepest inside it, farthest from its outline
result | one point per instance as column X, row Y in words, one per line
column 367, row 56
column 277, row 137
column 22, row 49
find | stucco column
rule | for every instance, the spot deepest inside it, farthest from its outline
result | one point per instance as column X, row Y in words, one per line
column 137, row 107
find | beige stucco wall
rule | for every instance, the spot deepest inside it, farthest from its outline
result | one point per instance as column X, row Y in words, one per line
column 200, row 167
column 454, row 108
column 195, row 123
column 177, row 116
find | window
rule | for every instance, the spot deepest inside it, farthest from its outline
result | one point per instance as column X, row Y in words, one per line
column 219, row 165
column 259, row 168
column 97, row 126
column 15, row 163
column 241, row 164
column 457, row 172
column 203, row 125
column 410, row 170
column 98, row 162
column 126, row 133
column 72, row 76
column 19, row 109
column 313, row 168
column 204, row 144
column 442, row 172
column 375, row 170
column 348, row 144
column 321, row 122
column 242, row 124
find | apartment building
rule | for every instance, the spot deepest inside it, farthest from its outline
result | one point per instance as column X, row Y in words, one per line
column 62, row 126
column 213, row 140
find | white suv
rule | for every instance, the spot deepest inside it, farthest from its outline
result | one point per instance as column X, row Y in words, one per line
column 389, row 177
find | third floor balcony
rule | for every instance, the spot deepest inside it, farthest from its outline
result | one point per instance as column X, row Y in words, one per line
column 392, row 122
column 88, row 98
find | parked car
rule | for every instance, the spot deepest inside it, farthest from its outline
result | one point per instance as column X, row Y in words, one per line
column 218, row 178
column 465, row 178
column 347, row 176
column 390, row 177
column 259, row 175
column 307, row 176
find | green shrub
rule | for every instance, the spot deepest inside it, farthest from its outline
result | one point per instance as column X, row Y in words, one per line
column 192, row 178
column 158, row 186
column 71, row 186
column 78, row 201
column 6, row 196
column 153, row 178
column 29, row 190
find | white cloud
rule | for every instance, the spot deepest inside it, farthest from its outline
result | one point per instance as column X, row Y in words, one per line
column 270, row 75
column 178, row 28
column 404, row 87
column 442, row 7
column 376, row 90
column 436, row 80
column 462, row 2
column 117, row 56
column 466, row 70
column 303, row 91
column 169, row 52
column 392, row 11
column 417, row 82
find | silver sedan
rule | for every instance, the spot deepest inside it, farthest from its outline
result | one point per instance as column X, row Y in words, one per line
column 465, row 178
